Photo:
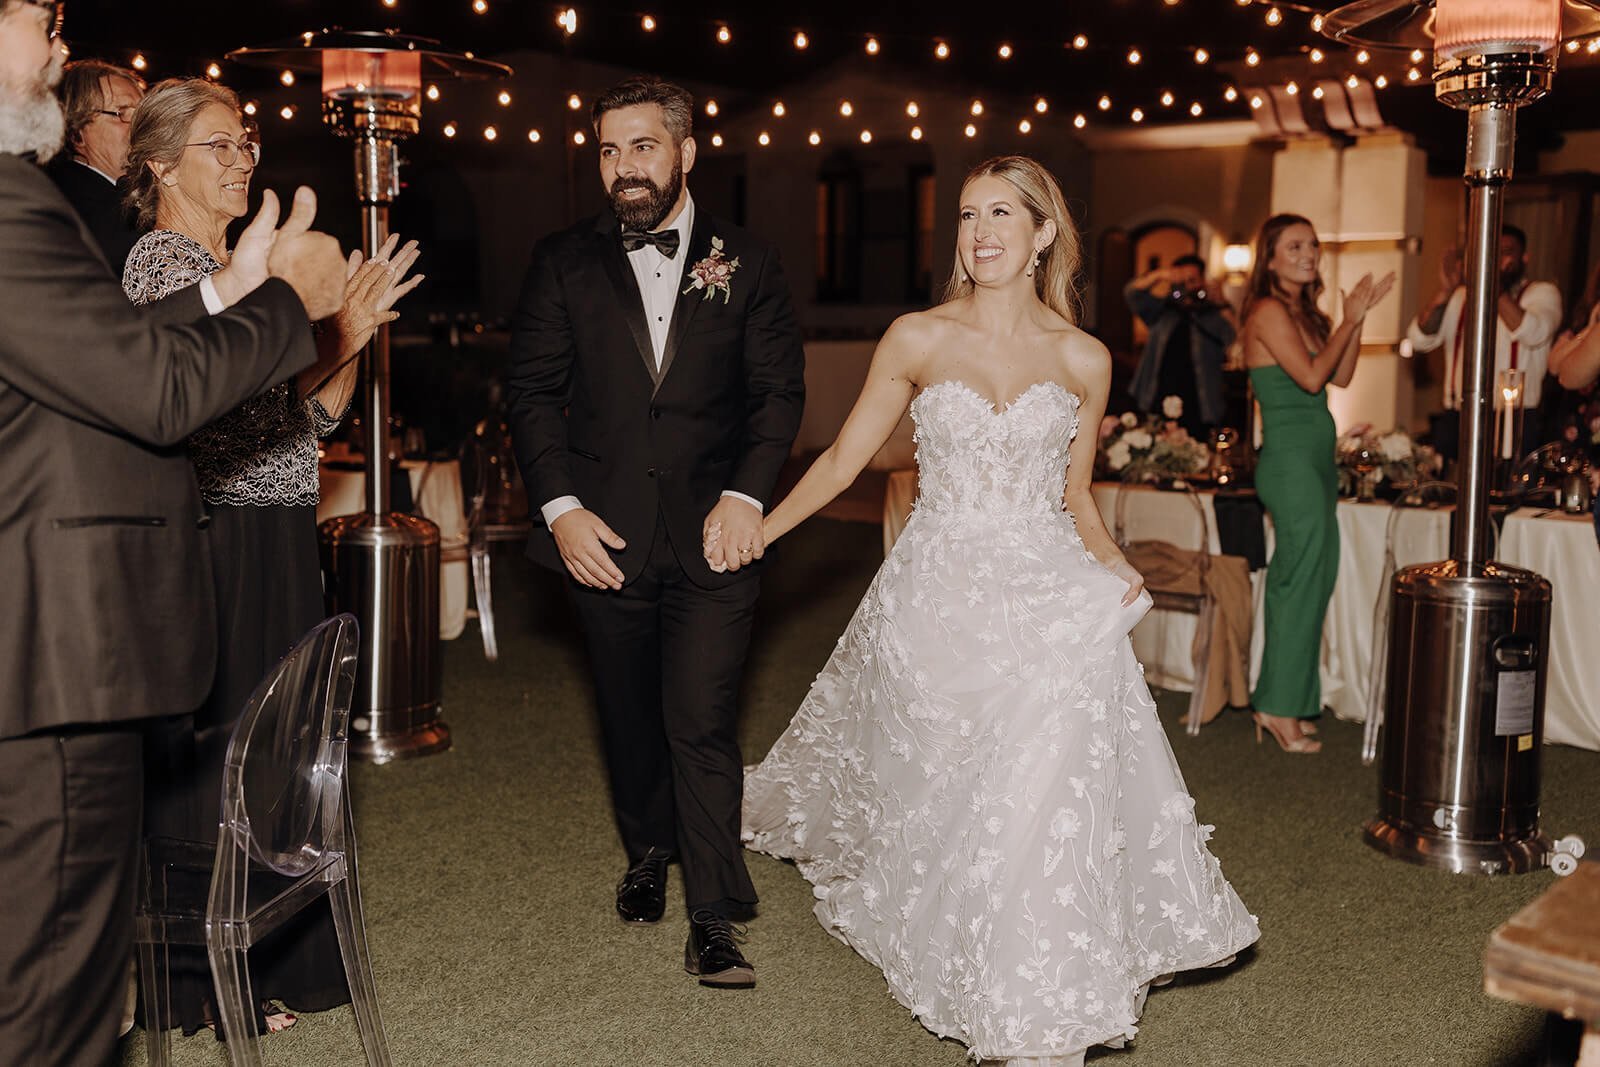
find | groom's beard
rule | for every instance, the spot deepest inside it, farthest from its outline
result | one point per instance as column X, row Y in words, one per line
column 30, row 116
column 646, row 213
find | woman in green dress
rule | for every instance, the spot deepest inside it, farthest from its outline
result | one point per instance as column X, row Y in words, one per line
column 1293, row 352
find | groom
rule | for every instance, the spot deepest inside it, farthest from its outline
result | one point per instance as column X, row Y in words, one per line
column 656, row 383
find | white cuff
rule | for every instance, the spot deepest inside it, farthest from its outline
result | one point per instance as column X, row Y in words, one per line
column 752, row 501
column 559, row 507
column 208, row 294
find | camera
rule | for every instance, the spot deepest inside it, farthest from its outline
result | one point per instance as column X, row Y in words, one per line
column 1186, row 300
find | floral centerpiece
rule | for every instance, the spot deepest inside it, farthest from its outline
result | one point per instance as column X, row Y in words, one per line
column 1367, row 457
column 1153, row 449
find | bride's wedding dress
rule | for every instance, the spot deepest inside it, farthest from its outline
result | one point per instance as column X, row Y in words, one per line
column 977, row 784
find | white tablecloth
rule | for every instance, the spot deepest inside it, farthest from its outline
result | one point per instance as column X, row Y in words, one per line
column 1559, row 547
column 436, row 488
column 1563, row 549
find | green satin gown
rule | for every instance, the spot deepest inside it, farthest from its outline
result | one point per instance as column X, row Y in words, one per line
column 1298, row 484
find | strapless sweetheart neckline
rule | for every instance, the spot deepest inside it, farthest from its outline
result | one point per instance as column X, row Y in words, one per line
column 960, row 386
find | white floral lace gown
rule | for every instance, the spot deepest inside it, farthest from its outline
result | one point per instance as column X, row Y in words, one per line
column 987, row 810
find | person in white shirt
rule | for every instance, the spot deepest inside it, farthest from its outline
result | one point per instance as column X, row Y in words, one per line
column 99, row 99
column 1529, row 314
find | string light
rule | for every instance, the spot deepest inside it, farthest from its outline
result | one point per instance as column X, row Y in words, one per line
column 941, row 50
column 1317, row 55
column 716, row 140
column 1024, row 126
column 846, row 108
column 1274, row 16
column 139, row 62
column 872, row 46
column 389, row 3
column 1196, row 110
column 481, row 6
column 1593, row 45
column 1416, row 55
column 977, row 108
column 1381, row 81
column 1137, row 115
column 866, row 136
column 1080, row 121
column 213, row 71
column 814, row 138
column 579, row 138
column 1256, row 102
column 286, row 112
column 1005, row 51
column 1352, row 82
column 971, row 130
column 1134, row 57
column 287, row 77
column 712, row 108
column 574, row 101
column 764, row 139
column 504, row 98
column 916, row 133
column 1252, row 58
column 801, row 41
column 1167, row 98
column 1080, row 42
column 449, row 128
column 1041, row 105
column 568, row 20
column 490, row 133
column 1413, row 75
column 648, row 24
column 534, row 136
column 724, row 35
column 432, row 93
column 1316, row 93
column 1230, row 94
column 250, row 107
column 1104, row 103
column 1572, row 46
column 1201, row 55
column 1293, row 88
column 1363, row 56
column 912, row 109
column 778, row 110
column 1316, row 23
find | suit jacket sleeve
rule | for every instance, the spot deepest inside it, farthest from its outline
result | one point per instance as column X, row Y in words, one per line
column 539, row 380
column 72, row 342
column 775, row 383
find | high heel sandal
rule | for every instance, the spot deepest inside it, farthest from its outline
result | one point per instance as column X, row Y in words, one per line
column 1300, row 745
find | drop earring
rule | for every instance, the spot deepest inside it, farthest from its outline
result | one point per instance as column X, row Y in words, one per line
column 1033, row 263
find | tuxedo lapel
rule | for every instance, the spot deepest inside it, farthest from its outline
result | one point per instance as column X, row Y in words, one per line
column 626, row 285
column 688, row 302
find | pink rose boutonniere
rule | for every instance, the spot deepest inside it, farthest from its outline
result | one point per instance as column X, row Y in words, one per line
column 713, row 273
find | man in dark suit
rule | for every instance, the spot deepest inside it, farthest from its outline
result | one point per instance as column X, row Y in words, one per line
column 105, row 604
column 656, row 384
column 98, row 99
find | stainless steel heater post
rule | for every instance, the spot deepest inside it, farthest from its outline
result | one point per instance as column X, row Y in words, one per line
column 380, row 564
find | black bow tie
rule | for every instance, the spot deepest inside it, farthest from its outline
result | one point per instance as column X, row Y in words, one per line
column 666, row 241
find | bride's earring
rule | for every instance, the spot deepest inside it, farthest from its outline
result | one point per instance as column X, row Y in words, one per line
column 1033, row 263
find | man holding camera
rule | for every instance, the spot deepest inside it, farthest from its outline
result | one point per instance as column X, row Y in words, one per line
column 1529, row 314
column 1188, row 343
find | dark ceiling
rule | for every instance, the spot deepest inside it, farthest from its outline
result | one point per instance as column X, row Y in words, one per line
column 182, row 36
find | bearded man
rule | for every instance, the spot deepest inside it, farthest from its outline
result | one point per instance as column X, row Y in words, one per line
column 655, row 387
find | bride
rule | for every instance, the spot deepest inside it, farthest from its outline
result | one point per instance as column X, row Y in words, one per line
column 977, row 784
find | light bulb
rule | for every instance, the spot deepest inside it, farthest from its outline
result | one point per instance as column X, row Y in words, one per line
column 534, row 136
column 872, row 46
column 648, row 23
column 942, row 50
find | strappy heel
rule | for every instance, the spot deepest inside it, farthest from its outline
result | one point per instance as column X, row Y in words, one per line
column 1301, row 746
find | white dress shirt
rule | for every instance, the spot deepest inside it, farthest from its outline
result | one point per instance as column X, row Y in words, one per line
column 660, row 284
column 1526, row 348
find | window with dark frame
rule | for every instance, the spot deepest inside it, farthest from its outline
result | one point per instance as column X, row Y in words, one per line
column 839, row 233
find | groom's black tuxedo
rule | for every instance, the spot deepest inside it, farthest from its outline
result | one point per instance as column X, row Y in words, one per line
column 651, row 452
column 593, row 418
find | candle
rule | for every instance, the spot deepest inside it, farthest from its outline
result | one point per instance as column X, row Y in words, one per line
column 1505, row 424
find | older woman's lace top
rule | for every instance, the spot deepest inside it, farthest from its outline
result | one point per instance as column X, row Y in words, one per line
column 977, row 784
column 263, row 452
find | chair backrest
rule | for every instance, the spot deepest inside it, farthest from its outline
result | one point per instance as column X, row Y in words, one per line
column 283, row 782
column 1202, row 546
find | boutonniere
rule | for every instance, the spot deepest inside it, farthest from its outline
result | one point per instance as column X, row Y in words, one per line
column 713, row 273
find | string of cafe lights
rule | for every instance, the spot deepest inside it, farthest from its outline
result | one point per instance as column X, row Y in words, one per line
column 1163, row 103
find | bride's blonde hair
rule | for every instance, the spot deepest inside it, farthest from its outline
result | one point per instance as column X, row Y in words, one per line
column 1055, row 278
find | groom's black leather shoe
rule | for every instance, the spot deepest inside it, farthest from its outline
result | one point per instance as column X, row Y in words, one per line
column 642, row 893
column 712, row 953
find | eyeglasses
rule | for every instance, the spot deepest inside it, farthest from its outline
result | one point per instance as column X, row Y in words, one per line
column 59, row 8
column 227, row 152
column 123, row 114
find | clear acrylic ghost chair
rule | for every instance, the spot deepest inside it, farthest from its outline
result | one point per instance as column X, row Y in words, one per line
column 1423, row 495
column 476, row 471
column 1200, row 604
column 285, row 839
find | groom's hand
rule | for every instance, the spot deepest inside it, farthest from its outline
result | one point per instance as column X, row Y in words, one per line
column 740, row 542
column 582, row 539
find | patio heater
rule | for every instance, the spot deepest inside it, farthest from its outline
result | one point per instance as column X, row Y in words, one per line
column 382, row 565
column 1468, row 637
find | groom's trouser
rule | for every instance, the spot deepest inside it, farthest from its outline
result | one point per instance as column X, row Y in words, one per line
column 69, row 844
column 667, row 658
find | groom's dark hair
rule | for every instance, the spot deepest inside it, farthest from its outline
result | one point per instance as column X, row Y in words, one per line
column 677, row 105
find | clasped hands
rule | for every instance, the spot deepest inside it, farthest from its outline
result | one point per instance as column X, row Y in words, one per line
column 730, row 538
